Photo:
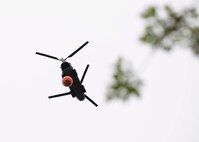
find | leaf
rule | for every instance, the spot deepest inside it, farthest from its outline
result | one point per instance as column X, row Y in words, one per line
column 149, row 12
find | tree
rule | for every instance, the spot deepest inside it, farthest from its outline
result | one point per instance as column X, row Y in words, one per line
column 171, row 29
column 164, row 32
column 124, row 84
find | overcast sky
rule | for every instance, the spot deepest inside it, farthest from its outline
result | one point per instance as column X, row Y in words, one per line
column 166, row 111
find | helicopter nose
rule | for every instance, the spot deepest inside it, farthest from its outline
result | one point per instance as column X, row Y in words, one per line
column 67, row 81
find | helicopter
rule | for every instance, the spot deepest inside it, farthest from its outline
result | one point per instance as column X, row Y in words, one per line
column 70, row 77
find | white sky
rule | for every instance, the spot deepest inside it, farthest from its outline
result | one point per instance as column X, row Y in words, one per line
column 167, row 110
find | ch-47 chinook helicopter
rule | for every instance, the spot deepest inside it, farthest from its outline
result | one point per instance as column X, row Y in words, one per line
column 70, row 78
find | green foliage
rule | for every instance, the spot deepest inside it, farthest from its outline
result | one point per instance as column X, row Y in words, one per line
column 124, row 83
column 165, row 29
column 171, row 29
column 149, row 12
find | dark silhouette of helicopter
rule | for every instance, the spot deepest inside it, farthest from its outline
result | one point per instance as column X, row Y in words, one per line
column 70, row 78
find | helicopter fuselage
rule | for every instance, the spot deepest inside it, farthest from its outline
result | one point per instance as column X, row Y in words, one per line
column 77, row 89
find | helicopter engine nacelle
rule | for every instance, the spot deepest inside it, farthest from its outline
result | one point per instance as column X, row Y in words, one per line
column 67, row 81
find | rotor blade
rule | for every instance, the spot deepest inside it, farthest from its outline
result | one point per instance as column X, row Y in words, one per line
column 59, row 95
column 49, row 56
column 91, row 100
column 77, row 50
column 84, row 73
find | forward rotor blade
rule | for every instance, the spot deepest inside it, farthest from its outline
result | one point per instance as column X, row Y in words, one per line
column 77, row 50
column 49, row 56
column 90, row 100
column 59, row 95
column 84, row 73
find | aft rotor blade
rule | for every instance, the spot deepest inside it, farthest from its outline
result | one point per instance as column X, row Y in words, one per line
column 49, row 56
column 90, row 100
column 59, row 95
column 77, row 50
column 84, row 73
